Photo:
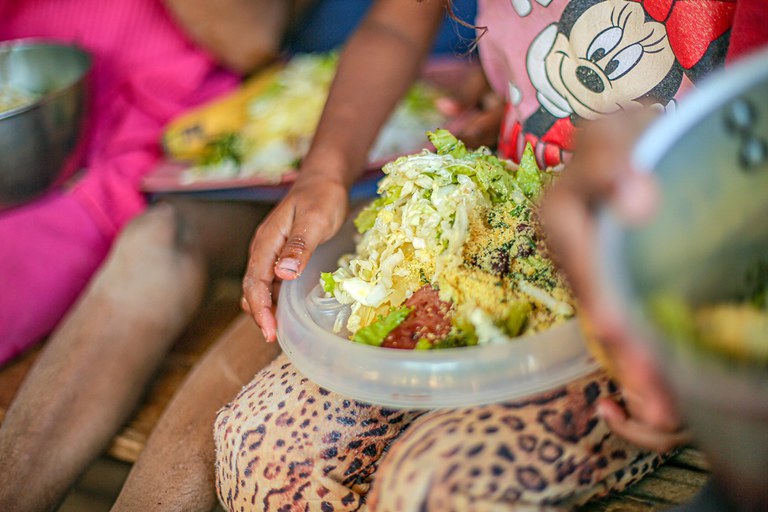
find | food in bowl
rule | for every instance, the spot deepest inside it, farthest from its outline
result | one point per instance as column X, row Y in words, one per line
column 14, row 97
column 735, row 330
column 450, row 254
column 279, row 118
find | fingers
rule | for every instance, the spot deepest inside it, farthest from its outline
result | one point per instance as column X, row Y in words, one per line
column 283, row 244
column 313, row 224
column 646, row 393
column 637, row 432
column 259, row 275
column 479, row 128
column 600, row 175
column 465, row 90
column 570, row 238
column 636, row 198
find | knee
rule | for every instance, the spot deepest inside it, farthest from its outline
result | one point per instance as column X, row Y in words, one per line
column 547, row 450
column 260, row 444
column 452, row 460
column 148, row 259
column 162, row 227
column 285, row 442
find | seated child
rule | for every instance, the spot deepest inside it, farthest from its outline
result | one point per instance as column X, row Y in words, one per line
column 284, row 442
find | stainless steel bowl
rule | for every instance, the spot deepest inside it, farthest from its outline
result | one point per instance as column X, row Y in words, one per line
column 41, row 141
column 710, row 159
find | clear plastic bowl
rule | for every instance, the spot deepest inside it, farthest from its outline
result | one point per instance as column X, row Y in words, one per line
column 413, row 378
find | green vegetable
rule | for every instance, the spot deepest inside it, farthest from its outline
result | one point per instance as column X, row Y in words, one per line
column 528, row 174
column 462, row 335
column 420, row 99
column 374, row 333
column 326, row 278
column 757, row 284
column 496, row 179
column 447, row 144
column 367, row 218
column 226, row 147
column 516, row 318
column 490, row 172
column 673, row 315
column 423, row 344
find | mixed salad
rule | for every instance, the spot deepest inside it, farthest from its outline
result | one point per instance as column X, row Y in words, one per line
column 450, row 254
column 281, row 120
column 736, row 330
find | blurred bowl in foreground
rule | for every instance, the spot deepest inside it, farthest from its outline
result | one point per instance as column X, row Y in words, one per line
column 42, row 116
column 710, row 159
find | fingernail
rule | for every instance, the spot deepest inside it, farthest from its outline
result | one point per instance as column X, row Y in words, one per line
column 447, row 106
column 289, row 265
column 264, row 332
column 635, row 199
column 601, row 410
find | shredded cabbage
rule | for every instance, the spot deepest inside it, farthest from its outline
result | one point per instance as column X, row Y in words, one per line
column 418, row 225
column 417, row 233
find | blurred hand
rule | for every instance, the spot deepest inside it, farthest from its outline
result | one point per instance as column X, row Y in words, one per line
column 311, row 213
column 476, row 110
column 600, row 175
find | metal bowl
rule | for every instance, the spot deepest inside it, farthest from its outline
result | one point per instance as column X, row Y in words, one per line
column 710, row 159
column 41, row 140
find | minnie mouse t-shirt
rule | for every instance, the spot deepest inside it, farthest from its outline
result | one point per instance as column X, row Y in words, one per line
column 559, row 63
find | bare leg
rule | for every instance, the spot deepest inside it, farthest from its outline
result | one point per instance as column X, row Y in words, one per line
column 96, row 366
column 175, row 470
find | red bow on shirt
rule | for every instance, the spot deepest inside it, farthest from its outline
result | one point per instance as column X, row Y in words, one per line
column 692, row 25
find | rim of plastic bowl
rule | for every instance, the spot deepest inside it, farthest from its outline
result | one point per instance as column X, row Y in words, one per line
column 415, row 379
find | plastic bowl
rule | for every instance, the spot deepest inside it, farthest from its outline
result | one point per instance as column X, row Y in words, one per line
column 410, row 378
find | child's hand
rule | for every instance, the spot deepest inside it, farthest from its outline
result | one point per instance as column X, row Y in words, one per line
column 477, row 111
column 311, row 213
column 375, row 69
column 599, row 174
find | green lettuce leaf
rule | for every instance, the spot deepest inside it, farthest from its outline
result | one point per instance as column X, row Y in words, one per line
column 528, row 174
column 367, row 217
column 447, row 144
column 374, row 334
column 326, row 279
column 225, row 147
column 496, row 179
column 516, row 318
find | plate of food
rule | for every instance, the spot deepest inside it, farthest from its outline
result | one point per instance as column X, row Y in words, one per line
column 440, row 292
column 257, row 135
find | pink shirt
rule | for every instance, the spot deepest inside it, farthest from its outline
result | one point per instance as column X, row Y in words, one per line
column 145, row 72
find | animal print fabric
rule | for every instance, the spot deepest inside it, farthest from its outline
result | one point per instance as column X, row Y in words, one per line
column 285, row 444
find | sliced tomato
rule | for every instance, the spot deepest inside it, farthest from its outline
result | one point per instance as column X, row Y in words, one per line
column 430, row 320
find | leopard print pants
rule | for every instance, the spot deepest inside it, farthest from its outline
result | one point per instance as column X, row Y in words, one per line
column 285, row 444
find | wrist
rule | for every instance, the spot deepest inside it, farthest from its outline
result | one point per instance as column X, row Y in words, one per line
column 330, row 166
